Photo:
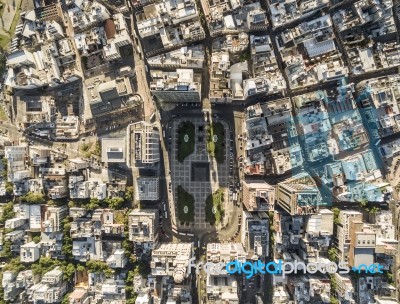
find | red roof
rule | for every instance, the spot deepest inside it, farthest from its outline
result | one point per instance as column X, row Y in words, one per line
column 109, row 28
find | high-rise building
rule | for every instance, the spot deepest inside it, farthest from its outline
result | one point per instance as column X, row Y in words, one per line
column 258, row 196
column 298, row 195
column 143, row 145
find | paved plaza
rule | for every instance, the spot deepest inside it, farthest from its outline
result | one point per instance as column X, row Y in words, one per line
column 193, row 173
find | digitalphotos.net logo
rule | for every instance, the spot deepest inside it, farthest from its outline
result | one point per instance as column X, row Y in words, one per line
column 280, row 268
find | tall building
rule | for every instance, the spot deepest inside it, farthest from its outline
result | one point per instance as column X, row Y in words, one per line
column 217, row 252
column 258, row 196
column 53, row 217
column 223, row 287
column 147, row 188
column 143, row 145
column 181, row 86
column 343, row 232
column 362, row 244
column 255, row 234
column 17, row 157
column 298, row 195
column 113, row 150
column 170, row 259
column 143, row 228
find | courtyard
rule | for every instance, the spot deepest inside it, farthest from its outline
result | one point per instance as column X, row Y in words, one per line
column 199, row 173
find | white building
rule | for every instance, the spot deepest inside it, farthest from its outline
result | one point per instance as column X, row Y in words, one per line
column 255, row 234
column 147, row 188
column 113, row 150
column 169, row 259
column 118, row 259
column 143, row 145
column 143, row 228
column 30, row 252
column 51, row 289
column 17, row 157
column 117, row 36
column 53, row 217
column 181, row 86
column 14, row 223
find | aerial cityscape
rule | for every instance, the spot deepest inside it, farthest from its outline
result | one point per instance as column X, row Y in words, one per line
column 199, row 151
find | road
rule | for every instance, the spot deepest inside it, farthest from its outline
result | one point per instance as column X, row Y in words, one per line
column 62, row 7
column 142, row 77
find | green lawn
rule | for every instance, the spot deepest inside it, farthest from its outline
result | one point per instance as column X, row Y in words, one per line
column 217, row 148
column 185, row 199
column 185, row 148
column 214, row 207
column 4, row 41
column 3, row 115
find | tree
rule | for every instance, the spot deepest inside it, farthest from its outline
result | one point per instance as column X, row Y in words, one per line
column 115, row 202
column 9, row 188
column 99, row 267
column 36, row 239
column 69, row 271
column 332, row 254
column 336, row 212
column 374, row 210
column 85, row 147
column 334, row 285
column 45, row 264
column 65, row 299
column 33, row 198
column 333, row 300
column 6, row 252
column 14, row 265
column 80, row 268
column 67, row 240
column 94, row 203
column 97, row 149
column 129, row 194
column 8, row 212
column 131, row 295
column 363, row 203
column 132, row 298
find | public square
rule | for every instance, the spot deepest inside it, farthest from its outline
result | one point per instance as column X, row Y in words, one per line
column 199, row 173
